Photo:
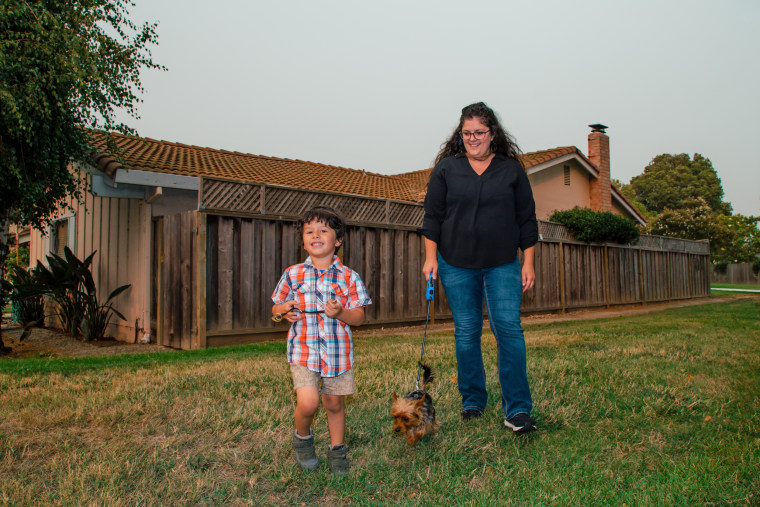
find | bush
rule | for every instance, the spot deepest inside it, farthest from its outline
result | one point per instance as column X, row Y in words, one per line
column 597, row 226
column 24, row 293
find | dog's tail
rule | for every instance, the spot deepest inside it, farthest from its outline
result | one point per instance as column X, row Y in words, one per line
column 428, row 374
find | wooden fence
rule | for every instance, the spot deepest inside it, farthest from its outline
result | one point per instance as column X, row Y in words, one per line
column 741, row 274
column 217, row 273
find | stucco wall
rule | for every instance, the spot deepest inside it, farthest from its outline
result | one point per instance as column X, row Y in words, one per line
column 551, row 193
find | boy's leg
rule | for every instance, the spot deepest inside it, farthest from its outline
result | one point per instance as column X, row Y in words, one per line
column 335, row 407
column 334, row 392
column 305, row 383
column 307, row 403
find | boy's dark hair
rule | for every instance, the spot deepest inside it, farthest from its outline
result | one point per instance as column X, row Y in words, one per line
column 326, row 215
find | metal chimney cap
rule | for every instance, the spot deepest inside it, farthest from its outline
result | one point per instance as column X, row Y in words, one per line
column 598, row 127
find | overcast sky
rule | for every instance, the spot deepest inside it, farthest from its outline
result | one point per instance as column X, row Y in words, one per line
column 380, row 85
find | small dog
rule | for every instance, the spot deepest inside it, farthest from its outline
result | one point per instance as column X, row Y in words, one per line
column 414, row 414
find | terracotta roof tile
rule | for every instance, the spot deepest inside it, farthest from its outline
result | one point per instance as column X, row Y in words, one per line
column 175, row 158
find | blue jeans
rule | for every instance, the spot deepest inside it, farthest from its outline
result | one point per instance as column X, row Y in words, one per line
column 501, row 289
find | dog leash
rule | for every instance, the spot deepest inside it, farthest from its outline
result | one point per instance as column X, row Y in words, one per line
column 429, row 295
column 277, row 317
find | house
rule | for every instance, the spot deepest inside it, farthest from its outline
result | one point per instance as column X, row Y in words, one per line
column 202, row 234
column 564, row 177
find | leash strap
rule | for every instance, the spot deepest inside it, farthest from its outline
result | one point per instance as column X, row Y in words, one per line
column 429, row 295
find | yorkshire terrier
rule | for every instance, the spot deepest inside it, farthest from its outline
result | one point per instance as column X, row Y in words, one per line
column 414, row 414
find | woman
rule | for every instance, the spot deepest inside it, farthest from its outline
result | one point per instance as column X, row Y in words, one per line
column 479, row 209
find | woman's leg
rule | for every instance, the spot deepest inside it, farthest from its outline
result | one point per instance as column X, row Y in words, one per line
column 464, row 292
column 503, row 295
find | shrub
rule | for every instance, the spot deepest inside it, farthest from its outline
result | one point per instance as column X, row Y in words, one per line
column 24, row 293
column 597, row 226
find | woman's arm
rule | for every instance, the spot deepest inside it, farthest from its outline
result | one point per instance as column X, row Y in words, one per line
column 528, row 271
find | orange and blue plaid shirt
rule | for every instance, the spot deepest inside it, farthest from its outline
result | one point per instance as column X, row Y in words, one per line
column 318, row 342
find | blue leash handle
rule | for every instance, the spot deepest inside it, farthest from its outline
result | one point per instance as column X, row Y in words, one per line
column 429, row 295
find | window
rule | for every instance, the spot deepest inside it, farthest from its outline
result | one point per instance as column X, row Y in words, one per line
column 62, row 235
column 567, row 175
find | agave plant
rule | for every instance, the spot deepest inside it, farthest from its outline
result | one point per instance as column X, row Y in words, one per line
column 68, row 281
column 96, row 315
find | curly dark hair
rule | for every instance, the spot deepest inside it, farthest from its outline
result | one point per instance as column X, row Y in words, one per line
column 502, row 142
column 326, row 215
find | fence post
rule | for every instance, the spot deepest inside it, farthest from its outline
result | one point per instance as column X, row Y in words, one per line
column 200, row 275
column 641, row 279
column 160, row 330
column 562, row 276
column 668, row 288
column 606, row 277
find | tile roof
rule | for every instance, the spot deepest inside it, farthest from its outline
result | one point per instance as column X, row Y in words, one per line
column 175, row 158
column 419, row 179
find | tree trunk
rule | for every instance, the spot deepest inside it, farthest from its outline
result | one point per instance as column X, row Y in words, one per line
column 4, row 222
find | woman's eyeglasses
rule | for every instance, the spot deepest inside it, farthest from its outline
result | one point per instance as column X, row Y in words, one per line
column 477, row 134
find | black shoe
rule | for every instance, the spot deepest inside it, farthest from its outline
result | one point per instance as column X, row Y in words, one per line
column 520, row 423
column 471, row 413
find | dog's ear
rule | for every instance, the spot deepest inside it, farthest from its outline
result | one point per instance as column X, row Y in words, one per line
column 395, row 396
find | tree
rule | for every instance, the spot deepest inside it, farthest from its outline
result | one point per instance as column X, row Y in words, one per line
column 670, row 180
column 733, row 239
column 65, row 68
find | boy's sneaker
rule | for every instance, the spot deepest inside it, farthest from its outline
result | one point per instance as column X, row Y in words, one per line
column 305, row 454
column 470, row 414
column 520, row 423
column 338, row 460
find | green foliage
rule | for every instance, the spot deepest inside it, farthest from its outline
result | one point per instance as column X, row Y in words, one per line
column 17, row 256
column 669, row 181
column 732, row 239
column 597, row 226
column 68, row 281
column 65, row 67
column 22, row 287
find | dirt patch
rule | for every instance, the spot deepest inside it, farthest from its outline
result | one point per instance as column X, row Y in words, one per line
column 44, row 342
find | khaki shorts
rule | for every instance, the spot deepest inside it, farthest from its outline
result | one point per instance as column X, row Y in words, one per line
column 341, row 385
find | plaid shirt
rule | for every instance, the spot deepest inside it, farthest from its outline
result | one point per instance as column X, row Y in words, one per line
column 318, row 342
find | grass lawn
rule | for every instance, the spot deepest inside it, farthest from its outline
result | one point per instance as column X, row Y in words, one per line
column 655, row 409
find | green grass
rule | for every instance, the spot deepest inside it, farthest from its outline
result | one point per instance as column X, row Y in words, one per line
column 661, row 408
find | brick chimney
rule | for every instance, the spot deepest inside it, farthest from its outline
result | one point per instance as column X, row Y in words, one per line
column 599, row 155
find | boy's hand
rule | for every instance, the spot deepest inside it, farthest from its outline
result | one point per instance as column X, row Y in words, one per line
column 333, row 309
column 285, row 311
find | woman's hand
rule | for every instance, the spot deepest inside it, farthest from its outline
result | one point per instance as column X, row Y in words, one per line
column 430, row 268
column 528, row 272
column 528, row 277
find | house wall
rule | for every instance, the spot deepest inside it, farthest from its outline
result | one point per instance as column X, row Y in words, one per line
column 619, row 210
column 551, row 193
column 119, row 229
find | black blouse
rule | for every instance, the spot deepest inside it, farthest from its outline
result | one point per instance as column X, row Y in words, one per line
column 479, row 221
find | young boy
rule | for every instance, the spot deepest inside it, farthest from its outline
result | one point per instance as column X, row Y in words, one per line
column 321, row 298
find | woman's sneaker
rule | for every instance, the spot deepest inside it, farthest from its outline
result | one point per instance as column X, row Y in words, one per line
column 520, row 423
